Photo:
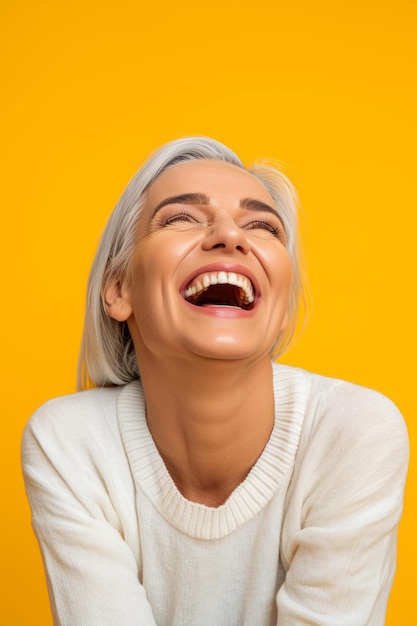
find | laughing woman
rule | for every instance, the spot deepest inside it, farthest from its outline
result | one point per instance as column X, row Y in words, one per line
column 194, row 481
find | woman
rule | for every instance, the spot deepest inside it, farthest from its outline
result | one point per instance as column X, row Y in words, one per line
column 199, row 482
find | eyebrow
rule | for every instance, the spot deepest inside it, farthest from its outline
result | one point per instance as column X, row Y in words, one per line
column 184, row 198
column 249, row 204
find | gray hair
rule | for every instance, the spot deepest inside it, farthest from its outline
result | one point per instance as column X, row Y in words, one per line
column 107, row 355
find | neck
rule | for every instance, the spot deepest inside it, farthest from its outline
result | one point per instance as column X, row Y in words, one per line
column 211, row 429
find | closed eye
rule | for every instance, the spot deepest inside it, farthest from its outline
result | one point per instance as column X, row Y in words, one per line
column 259, row 224
column 179, row 217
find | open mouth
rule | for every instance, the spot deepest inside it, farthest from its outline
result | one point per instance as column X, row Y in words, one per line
column 221, row 289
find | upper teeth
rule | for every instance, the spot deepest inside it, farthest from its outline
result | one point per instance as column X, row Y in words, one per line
column 203, row 281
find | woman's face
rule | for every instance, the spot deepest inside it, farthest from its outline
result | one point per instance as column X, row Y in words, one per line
column 210, row 273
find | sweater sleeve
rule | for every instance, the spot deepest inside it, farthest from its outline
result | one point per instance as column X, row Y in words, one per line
column 92, row 572
column 340, row 533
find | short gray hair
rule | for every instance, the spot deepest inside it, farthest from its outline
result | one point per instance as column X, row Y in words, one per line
column 107, row 355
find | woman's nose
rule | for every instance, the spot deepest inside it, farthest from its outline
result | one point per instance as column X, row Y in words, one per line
column 226, row 234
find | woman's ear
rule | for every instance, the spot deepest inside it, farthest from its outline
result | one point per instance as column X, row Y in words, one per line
column 117, row 301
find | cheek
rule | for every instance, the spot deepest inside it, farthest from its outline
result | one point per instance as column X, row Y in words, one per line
column 277, row 265
column 153, row 273
column 150, row 263
column 287, row 271
column 163, row 251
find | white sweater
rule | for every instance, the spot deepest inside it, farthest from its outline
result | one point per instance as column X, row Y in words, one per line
column 309, row 537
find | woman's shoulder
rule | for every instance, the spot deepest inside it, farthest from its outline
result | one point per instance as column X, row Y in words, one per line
column 74, row 464
column 79, row 406
column 342, row 406
column 79, row 416
column 353, row 448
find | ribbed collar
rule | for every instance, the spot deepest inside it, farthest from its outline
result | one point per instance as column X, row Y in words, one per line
column 198, row 520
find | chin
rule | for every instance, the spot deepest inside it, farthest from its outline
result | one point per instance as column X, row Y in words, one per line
column 228, row 348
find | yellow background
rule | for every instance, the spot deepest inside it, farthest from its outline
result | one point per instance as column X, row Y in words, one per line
column 90, row 87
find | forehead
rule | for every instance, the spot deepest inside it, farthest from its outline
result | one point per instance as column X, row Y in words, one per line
column 216, row 179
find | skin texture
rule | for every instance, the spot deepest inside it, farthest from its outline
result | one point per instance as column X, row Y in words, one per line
column 206, row 370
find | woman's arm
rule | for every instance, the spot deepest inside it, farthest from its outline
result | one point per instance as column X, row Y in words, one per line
column 340, row 536
column 91, row 570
